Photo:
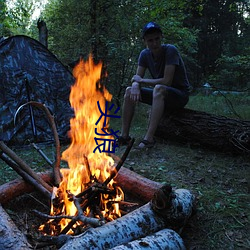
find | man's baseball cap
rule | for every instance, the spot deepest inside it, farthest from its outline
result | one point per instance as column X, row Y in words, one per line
column 149, row 27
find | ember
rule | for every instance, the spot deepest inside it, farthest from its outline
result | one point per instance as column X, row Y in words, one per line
column 87, row 188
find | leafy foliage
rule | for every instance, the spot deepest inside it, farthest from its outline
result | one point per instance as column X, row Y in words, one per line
column 213, row 36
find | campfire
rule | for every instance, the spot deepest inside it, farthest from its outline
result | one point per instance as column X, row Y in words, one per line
column 87, row 188
column 87, row 198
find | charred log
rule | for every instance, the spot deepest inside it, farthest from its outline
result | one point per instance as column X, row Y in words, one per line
column 212, row 131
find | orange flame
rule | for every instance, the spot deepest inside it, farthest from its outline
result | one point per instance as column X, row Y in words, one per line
column 85, row 94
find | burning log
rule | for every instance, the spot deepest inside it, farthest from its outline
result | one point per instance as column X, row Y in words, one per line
column 165, row 210
column 140, row 187
column 163, row 239
column 10, row 237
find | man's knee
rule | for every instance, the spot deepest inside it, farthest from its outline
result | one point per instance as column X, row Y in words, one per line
column 127, row 92
column 159, row 91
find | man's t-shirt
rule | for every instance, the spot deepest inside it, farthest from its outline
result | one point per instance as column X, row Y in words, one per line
column 171, row 56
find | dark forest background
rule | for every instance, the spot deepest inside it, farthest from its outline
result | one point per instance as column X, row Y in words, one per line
column 212, row 35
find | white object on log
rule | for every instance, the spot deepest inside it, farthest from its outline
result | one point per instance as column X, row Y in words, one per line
column 162, row 240
column 10, row 237
column 165, row 209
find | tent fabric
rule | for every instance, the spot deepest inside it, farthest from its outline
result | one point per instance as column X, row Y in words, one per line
column 30, row 72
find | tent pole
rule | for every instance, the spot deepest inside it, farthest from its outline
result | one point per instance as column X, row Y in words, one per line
column 33, row 125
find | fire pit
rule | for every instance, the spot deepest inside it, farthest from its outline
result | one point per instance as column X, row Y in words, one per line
column 86, row 198
column 160, row 209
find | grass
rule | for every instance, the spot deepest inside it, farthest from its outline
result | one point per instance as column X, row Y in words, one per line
column 220, row 181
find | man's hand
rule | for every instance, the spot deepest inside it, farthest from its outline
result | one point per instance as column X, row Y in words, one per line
column 135, row 93
column 136, row 78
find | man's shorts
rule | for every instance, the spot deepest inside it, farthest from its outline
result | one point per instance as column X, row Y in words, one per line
column 175, row 99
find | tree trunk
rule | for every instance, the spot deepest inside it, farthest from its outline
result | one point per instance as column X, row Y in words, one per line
column 212, row 131
column 43, row 32
column 10, row 237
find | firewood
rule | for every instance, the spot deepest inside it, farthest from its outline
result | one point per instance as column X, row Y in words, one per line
column 132, row 183
column 161, row 240
column 136, row 185
column 26, row 176
column 10, row 237
column 150, row 218
column 13, row 156
column 18, row 187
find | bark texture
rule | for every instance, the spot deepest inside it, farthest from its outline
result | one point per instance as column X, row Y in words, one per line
column 10, row 237
column 131, row 182
column 140, row 187
column 167, row 209
column 15, row 188
column 162, row 240
column 212, row 131
column 43, row 32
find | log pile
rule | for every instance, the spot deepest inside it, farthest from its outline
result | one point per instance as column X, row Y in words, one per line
column 211, row 131
column 167, row 209
column 164, row 213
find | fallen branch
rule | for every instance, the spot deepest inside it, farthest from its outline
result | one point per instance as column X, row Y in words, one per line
column 26, row 176
column 42, row 154
column 23, row 165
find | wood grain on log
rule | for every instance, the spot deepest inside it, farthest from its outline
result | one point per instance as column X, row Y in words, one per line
column 212, row 131
column 10, row 237
column 148, row 219
column 163, row 239
column 18, row 187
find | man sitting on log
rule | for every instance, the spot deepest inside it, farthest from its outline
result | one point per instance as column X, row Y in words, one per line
column 168, row 89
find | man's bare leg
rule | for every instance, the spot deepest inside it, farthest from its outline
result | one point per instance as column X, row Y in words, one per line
column 156, row 113
column 127, row 114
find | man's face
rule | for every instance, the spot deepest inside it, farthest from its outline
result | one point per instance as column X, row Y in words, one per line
column 153, row 40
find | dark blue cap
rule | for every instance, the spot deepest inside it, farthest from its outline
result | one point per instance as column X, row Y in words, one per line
column 150, row 26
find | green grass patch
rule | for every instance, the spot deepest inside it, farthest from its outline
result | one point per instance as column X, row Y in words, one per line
column 220, row 181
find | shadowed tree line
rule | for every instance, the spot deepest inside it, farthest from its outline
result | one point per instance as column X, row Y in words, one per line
column 213, row 36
